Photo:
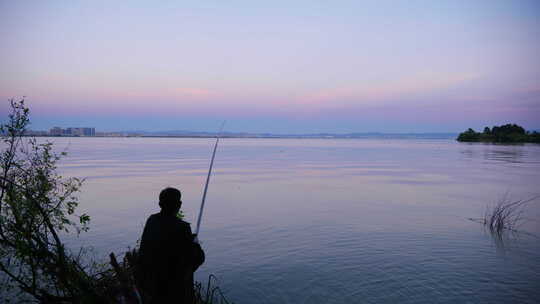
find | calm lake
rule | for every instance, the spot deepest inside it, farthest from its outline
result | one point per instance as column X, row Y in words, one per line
column 326, row 220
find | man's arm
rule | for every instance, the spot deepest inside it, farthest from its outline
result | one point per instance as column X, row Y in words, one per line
column 194, row 253
column 198, row 254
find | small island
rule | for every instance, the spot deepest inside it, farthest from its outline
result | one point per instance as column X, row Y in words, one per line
column 509, row 133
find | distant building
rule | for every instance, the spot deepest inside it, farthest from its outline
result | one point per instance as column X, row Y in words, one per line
column 89, row 131
column 57, row 131
column 74, row 132
column 36, row 133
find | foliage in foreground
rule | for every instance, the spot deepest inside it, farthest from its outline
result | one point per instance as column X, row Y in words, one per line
column 37, row 208
column 509, row 133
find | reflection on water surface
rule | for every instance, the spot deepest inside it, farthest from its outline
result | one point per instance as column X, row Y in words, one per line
column 517, row 153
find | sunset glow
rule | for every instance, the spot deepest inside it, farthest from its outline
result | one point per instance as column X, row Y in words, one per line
column 359, row 66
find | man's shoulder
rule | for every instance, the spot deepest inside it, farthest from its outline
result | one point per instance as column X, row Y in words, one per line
column 168, row 221
column 183, row 228
column 159, row 215
column 155, row 215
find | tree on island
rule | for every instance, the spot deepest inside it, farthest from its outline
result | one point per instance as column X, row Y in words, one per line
column 509, row 133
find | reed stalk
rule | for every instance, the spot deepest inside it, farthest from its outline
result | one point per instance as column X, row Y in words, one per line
column 506, row 214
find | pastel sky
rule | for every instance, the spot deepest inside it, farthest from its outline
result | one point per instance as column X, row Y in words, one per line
column 273, row 66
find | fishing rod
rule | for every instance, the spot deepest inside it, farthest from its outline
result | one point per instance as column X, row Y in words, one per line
column 207, row 182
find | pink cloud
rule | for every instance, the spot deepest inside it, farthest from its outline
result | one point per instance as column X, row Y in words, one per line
column 384, row 93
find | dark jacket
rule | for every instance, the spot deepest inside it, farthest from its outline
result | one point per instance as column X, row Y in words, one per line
column 168, row 258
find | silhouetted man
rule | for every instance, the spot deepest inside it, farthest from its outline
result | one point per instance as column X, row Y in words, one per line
column 169, row 254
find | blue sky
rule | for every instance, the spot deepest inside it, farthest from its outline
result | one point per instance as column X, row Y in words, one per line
column 279, row 66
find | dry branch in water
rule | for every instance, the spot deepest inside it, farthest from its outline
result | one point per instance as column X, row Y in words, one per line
column 505, row 215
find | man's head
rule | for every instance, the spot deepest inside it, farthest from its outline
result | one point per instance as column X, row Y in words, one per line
column 170, row 200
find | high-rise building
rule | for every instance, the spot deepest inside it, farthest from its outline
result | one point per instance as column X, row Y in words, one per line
column 89, row 131
column 74, row 131
column 56, row 131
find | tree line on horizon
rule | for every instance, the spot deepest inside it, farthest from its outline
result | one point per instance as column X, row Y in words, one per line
column 509, row 133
